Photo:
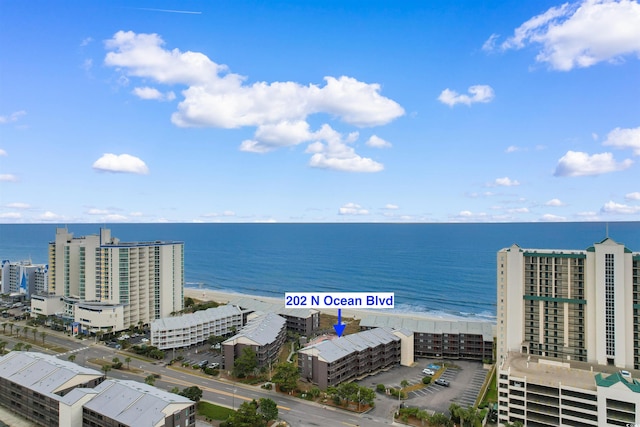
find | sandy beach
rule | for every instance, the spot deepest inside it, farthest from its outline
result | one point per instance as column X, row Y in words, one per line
column 225, row 297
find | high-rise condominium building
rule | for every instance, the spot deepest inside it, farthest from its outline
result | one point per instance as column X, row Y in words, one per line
column 23, row 277
column 146, row 279
column 568, row 335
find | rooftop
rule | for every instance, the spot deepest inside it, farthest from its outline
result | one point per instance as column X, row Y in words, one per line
column 194, row 319
column 261, row 331
column 266, row 307
column 427, row 326
column 331, row 350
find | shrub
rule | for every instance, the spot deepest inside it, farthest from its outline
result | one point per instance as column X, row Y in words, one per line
column 426, row 380
column 380, row 388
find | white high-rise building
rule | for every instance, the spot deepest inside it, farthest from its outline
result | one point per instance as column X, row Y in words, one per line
column 145, row 278
column 568, row 336
column 23, row 277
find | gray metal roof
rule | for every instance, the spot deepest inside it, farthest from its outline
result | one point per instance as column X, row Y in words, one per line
column 260, row 331
column 332, row 350
column 133, row 403
column 426, row 326
column 279, row 308
column 44, row 373
column 195, row 319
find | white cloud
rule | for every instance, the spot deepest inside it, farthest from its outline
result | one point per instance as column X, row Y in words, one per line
column 479, row 93
column 377, row 142
column 215, row 97
column 13, row 117
column 490, row 44
column 588, row 216
column 123, row 163
column 19, row 205
column 334, row 153
column 554, row 203
column 504, row 182
column 576, row 163
column 518, row 210
column 391, row 206
column 581, row 34
column 618, row 208
column 7, row 177
column 114, row 218
column 86, row 41
column 624, row 138
column 552, row 218
column 10, row 215
column 353, row 209
column 153, row 93
column 512, row 149
column 136, row 214
column 50, row 216
column 3, row 153
column 632, row 196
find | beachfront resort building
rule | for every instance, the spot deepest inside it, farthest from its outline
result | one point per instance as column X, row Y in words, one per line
column 23, row 277
column 195, row 328
column 448, row 339
column 302, row 321
column 334, row 361
column 120, row 283
column 52, row 392
column 568, row 336
column 264, row 333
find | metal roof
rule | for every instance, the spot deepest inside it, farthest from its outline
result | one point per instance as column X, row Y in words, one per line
column 426, row 326
column 44, row 373
column 274, row 307
column 260, row 331
column 135, row 404
column 332, row 350
column 195, row 319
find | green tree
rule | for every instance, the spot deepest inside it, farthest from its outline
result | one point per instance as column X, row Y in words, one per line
column 440, row 420
column 367, row 396
column 106, row 368
column 11, row 325
column 18, row 346
column 3, row 344
column 454, row 410
column 150, row 379
column 72, row 357
column 127, row 360
column 4, row 328
column 175, row 390
column 194, row 393
column 268, row 408
column 188, row 302
column 18, row 329
column 286, row 376
column 35, row 333
column 245, row 363
column 43, row 335
column 246, row 416
column 27, row 347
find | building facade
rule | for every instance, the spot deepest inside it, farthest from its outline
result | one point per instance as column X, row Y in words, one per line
column 568, row 325
column 332, row 362
column 146, row 278
column 23, row 277
column 301, row 321
column 195, row 328
column 264, row 333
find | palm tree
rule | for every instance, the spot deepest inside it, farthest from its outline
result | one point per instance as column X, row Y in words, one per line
column 26, row 330
column 151, row 380
column 3, row 344
column 18, row 346
column 404, row 383
column 28, row 347
column 106, row 368
column 43, row 334
column 72, row 357
column 35, row 332
column 4, row 328
column 18, row 329
column 127, row 361
column 11, row 325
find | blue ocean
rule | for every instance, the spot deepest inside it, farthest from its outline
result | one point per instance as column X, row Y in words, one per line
column 446, row 270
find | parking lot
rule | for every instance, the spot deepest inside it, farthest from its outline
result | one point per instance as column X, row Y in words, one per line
column 465, row 381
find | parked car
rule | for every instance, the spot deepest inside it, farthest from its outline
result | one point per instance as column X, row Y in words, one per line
column 428, row 371
column 442, row 382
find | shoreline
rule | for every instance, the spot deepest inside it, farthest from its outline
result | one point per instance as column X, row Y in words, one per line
column 222, row 296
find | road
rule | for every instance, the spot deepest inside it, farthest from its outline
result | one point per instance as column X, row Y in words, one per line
column 297, row 412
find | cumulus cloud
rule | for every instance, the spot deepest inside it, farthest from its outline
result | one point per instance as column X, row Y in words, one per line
column 624, row 139
column 479, row 93
column 10, row 215
column 333, row 152
column 612, row 207
column 123, row 163
column 3, row 153
column 215, row 97
column 50, row 216
column 576, row 163
column 13, row 117
column 504, row 182
column 352, row 209
column 153, row 93
column 579, row 34
column 554, row 203
column 632, row 196
column 391, row 206
column 94, row 211
column 377, row 142
column 512, row 149
column 7, row 177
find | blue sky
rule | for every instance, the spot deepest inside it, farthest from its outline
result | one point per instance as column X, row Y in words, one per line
column 336, row 111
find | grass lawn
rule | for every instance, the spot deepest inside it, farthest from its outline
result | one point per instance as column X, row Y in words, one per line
column 213, row 412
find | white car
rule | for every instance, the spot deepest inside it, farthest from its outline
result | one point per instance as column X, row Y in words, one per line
column 427, row 371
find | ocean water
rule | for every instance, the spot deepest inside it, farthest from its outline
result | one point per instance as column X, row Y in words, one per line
column 446, row 270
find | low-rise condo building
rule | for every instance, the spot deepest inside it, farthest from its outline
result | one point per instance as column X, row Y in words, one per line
column 302, row 321
column 265, row 334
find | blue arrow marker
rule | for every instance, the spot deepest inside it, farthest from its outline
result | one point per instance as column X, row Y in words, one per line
column 339, row 327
